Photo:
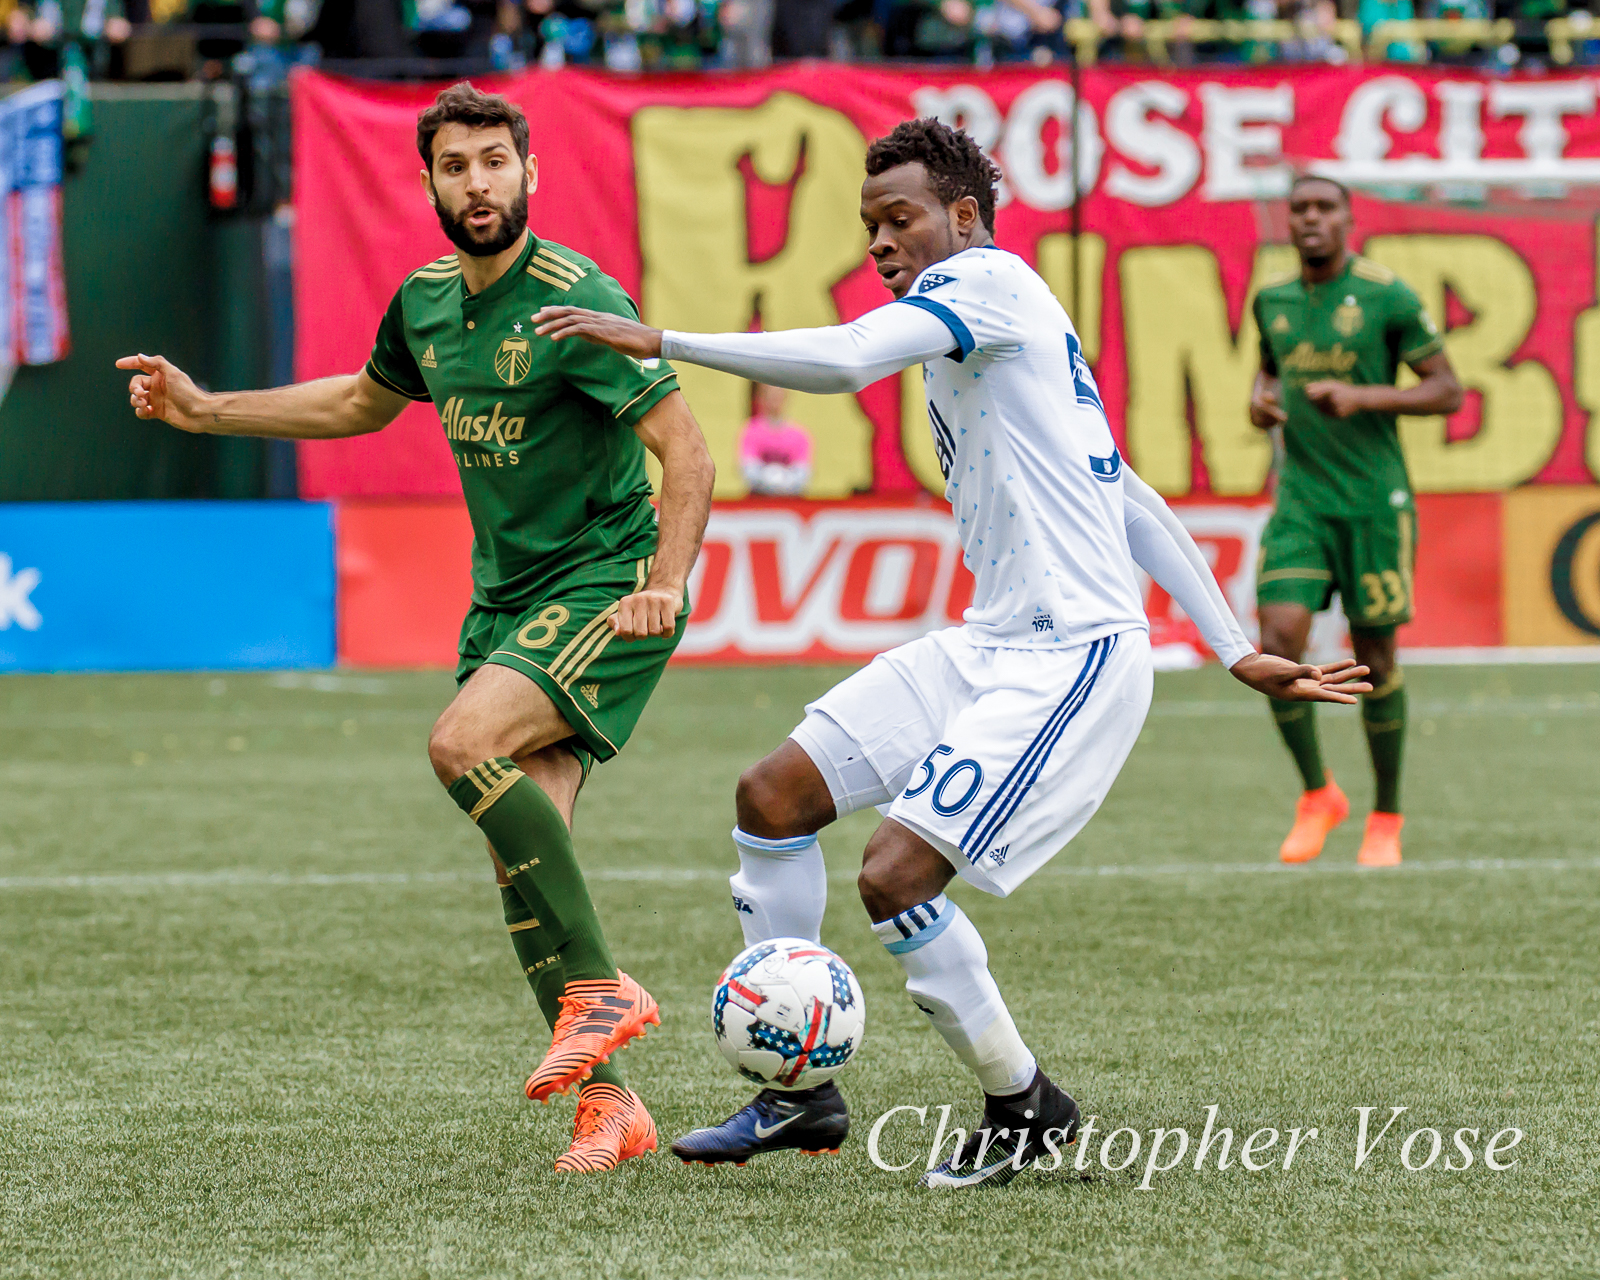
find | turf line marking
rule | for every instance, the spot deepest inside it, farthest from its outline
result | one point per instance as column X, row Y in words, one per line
column 246, row 877
column 104, row 722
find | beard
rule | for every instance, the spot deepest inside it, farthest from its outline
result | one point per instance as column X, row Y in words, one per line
column 513, row 221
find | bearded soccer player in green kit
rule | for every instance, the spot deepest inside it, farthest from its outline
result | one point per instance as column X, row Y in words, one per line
column 1333, row 339
column 578, row 596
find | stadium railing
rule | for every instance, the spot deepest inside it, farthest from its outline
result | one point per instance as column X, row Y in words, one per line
column 1157, row 38
column 1450, row 35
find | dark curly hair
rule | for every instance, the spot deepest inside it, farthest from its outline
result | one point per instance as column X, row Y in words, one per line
column 955, row 163
column 463, row 104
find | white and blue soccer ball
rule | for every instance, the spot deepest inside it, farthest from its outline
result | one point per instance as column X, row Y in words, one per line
column 788, row 1013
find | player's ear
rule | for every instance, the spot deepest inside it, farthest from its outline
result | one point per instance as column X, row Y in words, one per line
column 965, row 213
column 532, row 166
column 427, row 187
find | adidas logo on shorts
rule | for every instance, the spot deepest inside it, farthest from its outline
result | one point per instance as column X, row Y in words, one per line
column 592, row 693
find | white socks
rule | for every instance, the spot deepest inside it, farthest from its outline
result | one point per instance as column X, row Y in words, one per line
column 781, row 889
column 947, row 977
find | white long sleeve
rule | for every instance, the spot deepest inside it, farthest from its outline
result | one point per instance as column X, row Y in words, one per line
column 1162, row 547
column 844, row 357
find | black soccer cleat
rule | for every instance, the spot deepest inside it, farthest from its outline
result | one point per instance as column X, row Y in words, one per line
column 812, row 1121
column 1009, row 1138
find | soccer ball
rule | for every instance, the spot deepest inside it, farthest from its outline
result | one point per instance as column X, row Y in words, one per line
column 788, row 1013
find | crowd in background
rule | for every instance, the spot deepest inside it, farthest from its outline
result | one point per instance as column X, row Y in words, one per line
column 179, row 39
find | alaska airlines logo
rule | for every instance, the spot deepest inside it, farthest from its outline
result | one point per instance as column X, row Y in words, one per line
column 1305, row 358
column 1106, row 470
column 511, row 362
column 932, row 281
column 491, row 428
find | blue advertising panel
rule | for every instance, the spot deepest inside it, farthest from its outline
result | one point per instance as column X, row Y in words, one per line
column 144, row 586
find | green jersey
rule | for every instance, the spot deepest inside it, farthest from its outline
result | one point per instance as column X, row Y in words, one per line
column 542, row 431
column 1360, row 328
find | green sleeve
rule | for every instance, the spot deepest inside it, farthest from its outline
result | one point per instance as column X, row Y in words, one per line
column 1269, row 360
column 392, row 365
column 1412, row 333
column 628, row 388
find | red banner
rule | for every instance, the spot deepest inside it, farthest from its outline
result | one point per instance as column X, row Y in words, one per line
column 730, row 200
column 842, row 581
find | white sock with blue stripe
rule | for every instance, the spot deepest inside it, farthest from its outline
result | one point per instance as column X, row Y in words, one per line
column 781, row 890
column 947, row 977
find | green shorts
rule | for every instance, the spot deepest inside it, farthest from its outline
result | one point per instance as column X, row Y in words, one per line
column 1368, row 560
column 565, row 645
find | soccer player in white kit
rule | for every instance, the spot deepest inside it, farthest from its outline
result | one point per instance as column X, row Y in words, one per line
column 987, row 746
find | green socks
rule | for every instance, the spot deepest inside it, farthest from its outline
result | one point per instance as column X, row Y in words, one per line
column 1297, row 722
column 536, row 953
column 528, row 832
column 1383, row 716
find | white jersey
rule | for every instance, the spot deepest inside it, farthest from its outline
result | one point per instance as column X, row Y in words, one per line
column 1032, row 472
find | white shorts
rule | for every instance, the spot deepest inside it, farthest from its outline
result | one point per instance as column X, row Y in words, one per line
column 996, row 757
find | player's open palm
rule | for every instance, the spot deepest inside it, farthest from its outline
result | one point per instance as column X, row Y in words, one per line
column 617, row 332
column 162, row 390
column 651, row 612
column 1298, row 682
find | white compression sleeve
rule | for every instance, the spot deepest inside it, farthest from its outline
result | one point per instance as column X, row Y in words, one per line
column 844, row 357
column 1162, row 547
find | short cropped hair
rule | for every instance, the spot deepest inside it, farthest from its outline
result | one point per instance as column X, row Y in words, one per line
column 1302, row 179
column 462, row 104
column 955, row 163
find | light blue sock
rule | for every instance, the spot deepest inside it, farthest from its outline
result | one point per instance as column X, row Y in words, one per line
column 781, row 889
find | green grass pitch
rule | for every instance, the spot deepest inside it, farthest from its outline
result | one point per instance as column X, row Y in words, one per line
column 259, row 1015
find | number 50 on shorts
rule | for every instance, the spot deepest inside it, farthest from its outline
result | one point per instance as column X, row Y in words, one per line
column 956, row 787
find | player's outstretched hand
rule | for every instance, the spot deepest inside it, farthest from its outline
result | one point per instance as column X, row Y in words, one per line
column 617, row 332
column 651, row 612
column 162, row 390
column 1295, row 682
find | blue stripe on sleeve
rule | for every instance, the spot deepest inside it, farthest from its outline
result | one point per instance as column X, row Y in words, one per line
column 953, row 322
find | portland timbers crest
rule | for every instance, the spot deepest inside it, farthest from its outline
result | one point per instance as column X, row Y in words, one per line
column 1347, row 318
column 512, row 360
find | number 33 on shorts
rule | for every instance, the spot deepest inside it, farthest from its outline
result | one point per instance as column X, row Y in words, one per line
column 957, row 784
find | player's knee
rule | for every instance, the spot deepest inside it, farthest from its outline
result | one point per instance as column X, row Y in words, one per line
column 881, row 884
column 767, row 807
column 1279, row 643
column 450, row 752
column 877, row 892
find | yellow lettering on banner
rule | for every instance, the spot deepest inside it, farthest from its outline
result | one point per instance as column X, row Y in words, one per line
column 697, row 272
column 1586, row 372
column 1181, row 347
column 1520, row 421
column 1058, row 264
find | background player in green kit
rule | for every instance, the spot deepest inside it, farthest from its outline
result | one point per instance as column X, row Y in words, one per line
column 578, row 597
column 1333, row 339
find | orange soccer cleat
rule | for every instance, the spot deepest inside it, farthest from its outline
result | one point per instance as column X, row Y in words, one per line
column 598, row 1017
column 1315, row 814
column 1380, row 847
column 612, row 1126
